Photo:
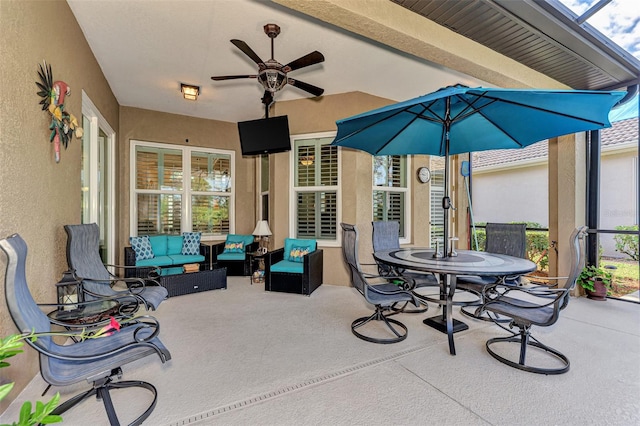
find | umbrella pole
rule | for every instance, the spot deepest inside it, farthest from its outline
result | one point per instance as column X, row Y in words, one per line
column 446, row 201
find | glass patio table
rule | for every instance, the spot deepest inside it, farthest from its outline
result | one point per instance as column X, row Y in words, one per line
column 467, row 262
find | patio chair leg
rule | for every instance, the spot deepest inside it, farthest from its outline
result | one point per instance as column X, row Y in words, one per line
column 524, row 340
column 378, row 315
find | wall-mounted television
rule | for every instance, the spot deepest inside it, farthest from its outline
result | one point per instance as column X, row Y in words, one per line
column 264, row 136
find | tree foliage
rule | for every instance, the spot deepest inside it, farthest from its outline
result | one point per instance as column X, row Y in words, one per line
column 627, row 243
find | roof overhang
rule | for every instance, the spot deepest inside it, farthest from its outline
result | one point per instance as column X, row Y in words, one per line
column 541, row 34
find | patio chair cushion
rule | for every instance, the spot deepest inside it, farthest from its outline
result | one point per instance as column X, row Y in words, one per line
column 231, row 256
column 142, row 247
column 288, row 267
column 234, row 247
column 290, row 243
column 236, row 243
column 297, row 253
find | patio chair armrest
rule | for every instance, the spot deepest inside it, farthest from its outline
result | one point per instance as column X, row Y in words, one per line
column 538, row 297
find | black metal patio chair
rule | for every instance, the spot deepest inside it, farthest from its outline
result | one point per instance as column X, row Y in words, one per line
column 501, row 238
column 83, row 257
column 535, row 306
column 99, row 361
column 382, row 295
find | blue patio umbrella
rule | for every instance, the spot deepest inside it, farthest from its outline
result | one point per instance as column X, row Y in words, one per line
column 459, row 119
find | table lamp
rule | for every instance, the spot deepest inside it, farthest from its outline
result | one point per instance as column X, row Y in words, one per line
column 263, row 232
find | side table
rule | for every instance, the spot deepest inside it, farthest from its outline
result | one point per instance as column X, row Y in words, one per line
column 257, row 266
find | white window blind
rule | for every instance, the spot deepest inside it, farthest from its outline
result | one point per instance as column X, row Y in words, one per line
column 390, row 189
column 316, row 188
column 160, row 190
column 436, row 216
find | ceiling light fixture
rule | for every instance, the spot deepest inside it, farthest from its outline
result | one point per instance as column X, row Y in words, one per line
column 190, row 92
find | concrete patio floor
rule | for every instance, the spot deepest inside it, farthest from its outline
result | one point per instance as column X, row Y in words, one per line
column 243, row 356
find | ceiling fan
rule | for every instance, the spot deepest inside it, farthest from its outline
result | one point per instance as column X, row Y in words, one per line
column 272, row 75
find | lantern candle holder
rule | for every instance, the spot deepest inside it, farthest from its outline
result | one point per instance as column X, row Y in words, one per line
column 69, row 293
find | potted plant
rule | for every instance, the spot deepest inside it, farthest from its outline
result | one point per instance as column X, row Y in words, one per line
column 596, row 281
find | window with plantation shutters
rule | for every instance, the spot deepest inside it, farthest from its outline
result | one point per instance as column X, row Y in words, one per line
column 436, row 218
column 316, row 181
column 390, row 189
column 181, row 189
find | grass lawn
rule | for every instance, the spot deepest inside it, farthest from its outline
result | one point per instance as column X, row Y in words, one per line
column 625, row 276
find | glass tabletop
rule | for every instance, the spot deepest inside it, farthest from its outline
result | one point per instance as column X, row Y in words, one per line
column 87, row 313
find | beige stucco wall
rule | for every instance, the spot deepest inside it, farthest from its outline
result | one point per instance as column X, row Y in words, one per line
column 38, row 196
column 511, row 195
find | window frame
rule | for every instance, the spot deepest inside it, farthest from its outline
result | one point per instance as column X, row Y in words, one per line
column 406, row 190
column 186, row 192
column 293, row 189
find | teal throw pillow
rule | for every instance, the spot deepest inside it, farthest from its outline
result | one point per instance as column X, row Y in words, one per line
column 142, row 247
column 234, row 247
column 297, row 253
column 191, row 243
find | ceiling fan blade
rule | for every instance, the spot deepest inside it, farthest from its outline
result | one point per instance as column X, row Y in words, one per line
column 312, row 58
column 247, row 51
column 316, row 91
column 231, row 77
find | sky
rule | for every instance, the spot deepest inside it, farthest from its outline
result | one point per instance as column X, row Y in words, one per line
column 619, row 20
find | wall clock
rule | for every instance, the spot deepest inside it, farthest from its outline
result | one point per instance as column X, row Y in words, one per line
column 424, row 174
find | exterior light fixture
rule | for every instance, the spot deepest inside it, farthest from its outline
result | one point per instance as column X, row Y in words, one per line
column 190, row 92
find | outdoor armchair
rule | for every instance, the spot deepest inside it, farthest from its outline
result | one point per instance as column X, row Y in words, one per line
column 295, row 268
column 233, row 254
column 83, row 257
column 527, row 307
column 97, row 360
column 382, row 295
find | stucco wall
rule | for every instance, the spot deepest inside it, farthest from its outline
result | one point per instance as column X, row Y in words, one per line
column 513, row 195
column 38, row 196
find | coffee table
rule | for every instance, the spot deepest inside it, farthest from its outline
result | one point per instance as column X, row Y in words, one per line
column 194, row 282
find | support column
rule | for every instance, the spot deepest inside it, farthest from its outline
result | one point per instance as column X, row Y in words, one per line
column 567, row 196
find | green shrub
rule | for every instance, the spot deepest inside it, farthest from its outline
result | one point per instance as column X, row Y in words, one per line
column 627, row 243
column 537, row 243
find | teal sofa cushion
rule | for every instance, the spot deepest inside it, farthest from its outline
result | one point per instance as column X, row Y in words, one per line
column 142, row 247
column 174, row 245
column 172, row 271
column 191, row 243
column 290, row 243
column 156, row 261
column 288, row 266
column 231, row 256
column 159, row 245
column 181, row 259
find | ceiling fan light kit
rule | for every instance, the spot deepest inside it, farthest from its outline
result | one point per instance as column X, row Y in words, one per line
column 272, row 75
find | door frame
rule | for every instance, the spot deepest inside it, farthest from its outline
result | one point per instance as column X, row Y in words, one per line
column 97, row 121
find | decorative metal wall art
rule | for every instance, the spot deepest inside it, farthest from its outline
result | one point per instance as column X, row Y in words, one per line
column 63, row 124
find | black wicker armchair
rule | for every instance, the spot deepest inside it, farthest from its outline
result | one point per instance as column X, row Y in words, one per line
column 301, row 276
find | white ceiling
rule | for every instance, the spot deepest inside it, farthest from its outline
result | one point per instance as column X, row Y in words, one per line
column 147, row 48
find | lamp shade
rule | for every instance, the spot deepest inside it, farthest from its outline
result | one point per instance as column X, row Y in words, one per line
column 262, row 229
